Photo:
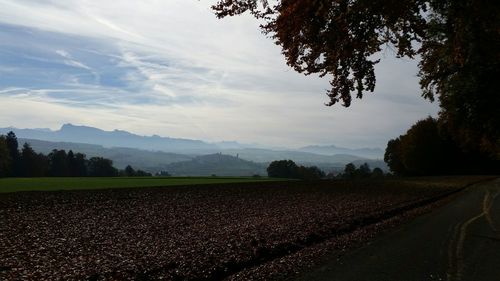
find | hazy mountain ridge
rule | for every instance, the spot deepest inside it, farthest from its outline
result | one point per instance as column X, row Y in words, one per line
column 155, row 161
column 267, row 155
column 374, row 153
column 151, row 161
column 116, row 138
column 157, row 153
column 119, row 138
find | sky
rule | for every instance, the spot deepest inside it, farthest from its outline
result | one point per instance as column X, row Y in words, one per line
column 171, row 68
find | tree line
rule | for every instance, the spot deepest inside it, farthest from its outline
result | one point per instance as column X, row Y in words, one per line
column 288, row 169
column 25, row 162
column 428, row 148
column 362, row 172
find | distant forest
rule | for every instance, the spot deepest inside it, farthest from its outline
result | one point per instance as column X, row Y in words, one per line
column 25, row 162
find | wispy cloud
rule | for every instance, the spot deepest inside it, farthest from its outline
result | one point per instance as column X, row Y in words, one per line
column 70, row 61
column 171, row 68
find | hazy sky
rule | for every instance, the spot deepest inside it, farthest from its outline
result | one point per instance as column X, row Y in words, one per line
column 171, row 68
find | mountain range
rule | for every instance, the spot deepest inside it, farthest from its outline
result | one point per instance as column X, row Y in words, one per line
column 374, row 153
column 156, row 153
column 116, row 138
column 120, row 138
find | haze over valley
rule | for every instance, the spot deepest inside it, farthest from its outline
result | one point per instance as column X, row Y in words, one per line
column 188, row 157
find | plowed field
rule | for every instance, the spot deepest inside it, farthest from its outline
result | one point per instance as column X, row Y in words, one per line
column 187, row 233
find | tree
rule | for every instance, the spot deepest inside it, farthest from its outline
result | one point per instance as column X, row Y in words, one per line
column 78, row 167
column 129, row 171
column 377, row 173
column 141, row 173
column 288, row 169
column 363, row 171
column 423, row 149
column 283, row 169
column 58, row 162
column 310, row 173
column 5, row 160
column 336, row 38
column 70, row 158
column 393, row 157
column 101, row 167
column 426, row 150
column 13, row 147
column 457, row 40
column 349, row 171
column 32, row 163
column 460, row 64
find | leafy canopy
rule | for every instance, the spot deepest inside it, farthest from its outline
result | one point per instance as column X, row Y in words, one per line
column 456, row 40
column 336, row 38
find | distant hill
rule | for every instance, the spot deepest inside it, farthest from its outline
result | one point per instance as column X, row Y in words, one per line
column 155, row 153
column 216, row 164
column 327, row 163
column 118, row 138
column 151, row 161
column 267, row 155
column 372, row 153
column 241, row 162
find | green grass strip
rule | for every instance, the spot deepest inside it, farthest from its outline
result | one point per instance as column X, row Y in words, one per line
column 50, row 184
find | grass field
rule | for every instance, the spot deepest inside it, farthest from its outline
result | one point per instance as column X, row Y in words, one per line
column 49, row 184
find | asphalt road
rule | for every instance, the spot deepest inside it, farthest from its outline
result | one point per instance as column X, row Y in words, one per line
column 458, row 241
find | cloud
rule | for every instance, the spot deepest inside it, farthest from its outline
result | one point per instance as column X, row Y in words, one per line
column 171, row 68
